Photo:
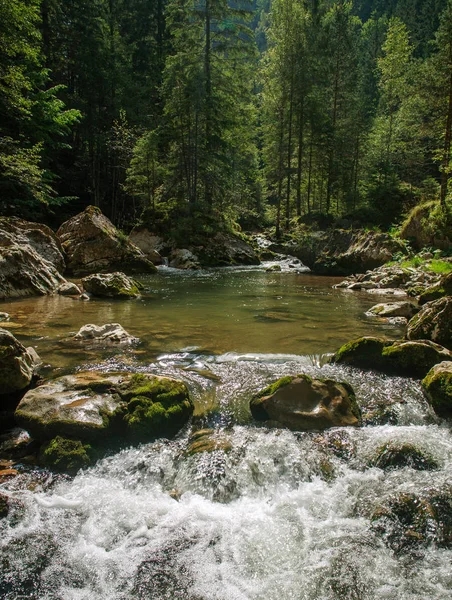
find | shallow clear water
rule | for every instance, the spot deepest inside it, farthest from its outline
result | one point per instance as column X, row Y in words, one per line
column 265, row 521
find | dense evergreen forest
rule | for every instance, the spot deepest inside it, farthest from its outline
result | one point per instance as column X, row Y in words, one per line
column 219, row 112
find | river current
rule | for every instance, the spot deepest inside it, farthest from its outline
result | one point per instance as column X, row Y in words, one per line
column 280, row 516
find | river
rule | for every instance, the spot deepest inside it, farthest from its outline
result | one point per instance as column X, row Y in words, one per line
column 278, row 517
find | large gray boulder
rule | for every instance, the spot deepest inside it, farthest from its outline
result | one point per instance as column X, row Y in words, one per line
column 93, row 244
column 149, row 243
column 106, row 407
column 111, row 285
column 31, row 259
column 302, row 403
column 433, row 322
column 17, row 364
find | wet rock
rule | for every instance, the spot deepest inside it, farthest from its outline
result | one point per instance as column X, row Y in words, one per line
column 439, row 290
column 4, row 509
column 393, row 309
column 105, row 407
column 111, row 285
column 93, row 244
column 208, row 440
column 433, row 322
column 409, row 358
column 16, row 443
column 69, row 289
column 65, row 455
column 150, row 244
column 31, row 259
column 273, row 268
column 397, row 455
column 17, row 364
column 408, row 521
column 110, row 332
column 301, row 403
column 437, row 386
column 4, row 316
column 183, row 259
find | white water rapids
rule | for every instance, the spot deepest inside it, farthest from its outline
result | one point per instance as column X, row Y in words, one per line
column 263, row 521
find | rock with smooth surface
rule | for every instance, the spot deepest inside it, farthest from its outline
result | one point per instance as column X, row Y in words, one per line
column 393, row 309
column 110, row 332
column 302, row 403
column 31, row 259
column 69, row 289
column 111, row 285
column 17, row 364
column 93, row 244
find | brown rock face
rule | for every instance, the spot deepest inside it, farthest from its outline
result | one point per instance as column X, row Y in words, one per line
column 301, row 403
column 92, row 244
column 433, row 322
column 31, row 259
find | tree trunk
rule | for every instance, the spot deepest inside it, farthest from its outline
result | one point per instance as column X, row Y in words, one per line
column 300, row 156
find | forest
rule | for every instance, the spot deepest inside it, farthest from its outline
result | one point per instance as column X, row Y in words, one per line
column 220, row 113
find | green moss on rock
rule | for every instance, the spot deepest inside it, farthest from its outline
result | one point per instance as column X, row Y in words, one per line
column 437, row 386
column 364, row 353
column 395, row 455
column 65, row 455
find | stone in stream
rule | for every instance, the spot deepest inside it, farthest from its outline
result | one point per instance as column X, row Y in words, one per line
column 110, row 333
column 433, row 322
column 208, row 440
column 92, row 244
column 111, row 285
column 17, row 364
column 149, row 243
column 397, row 455
column 408, row 358
column 409, row 521
column 181, row 258
column 31, row 259
column 439, row 290
column 106, row 408
column 437, row 386
column 69, row 289
column 66, row 455
column 302, row 403
column 393, row 309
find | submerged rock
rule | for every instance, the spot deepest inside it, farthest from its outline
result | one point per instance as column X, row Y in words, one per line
column 397, row 455
column 393, row 309
column 106, row 408
column 208, row 440
column 92, row 244
column 410, row 521
column 110, row 332
column 301, row 403
column 17, row 364
column 433, row 322
column 111, row 285
column 31, row 259
column 437, row 386
column 410, row 358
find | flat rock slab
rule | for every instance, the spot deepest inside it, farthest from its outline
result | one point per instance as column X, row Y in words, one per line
column 393, row 309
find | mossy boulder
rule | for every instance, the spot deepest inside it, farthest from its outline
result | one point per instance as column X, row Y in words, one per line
column 302, row 403
column 66, row 455
column 111, row 408
column 111, row 285
column 433, row 322
column 439, row 290
column 93, row 244
column 208, row 440
column 409, row 521
column 408, row 358
column 397, row 455
column 17, row 364
column 437, row 386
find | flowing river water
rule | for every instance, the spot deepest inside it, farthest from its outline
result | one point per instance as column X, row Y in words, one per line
column 278, row 517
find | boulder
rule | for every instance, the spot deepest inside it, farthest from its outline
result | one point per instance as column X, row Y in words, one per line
column 408, row 521
column 31, row 259
column 409, row 358
column 17, row 364
column 106, row 408
column 433, row 322
column 393, row 309
column 397, row 455
column 439, row 290
column 302, row 403
column 181, row 258
column 437, row 386
column 225, row 249
column 150, row 244
column 69, row 289
column 93, row 244
column 110, row 332
column 111, row 285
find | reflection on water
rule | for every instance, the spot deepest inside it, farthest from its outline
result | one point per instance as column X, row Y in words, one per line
column 215, row 311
